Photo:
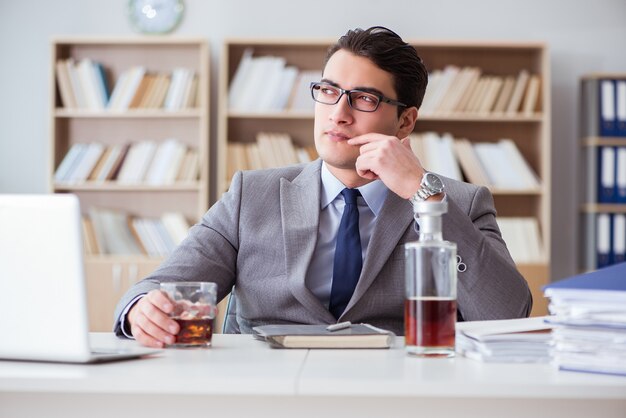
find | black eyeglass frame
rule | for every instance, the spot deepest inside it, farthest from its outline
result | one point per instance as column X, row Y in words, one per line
column 381, row 98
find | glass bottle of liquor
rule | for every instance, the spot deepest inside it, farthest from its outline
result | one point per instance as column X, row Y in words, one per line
column 431, row 279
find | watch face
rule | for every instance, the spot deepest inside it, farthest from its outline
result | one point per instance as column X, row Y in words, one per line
column 155, row 16
column 433, row 182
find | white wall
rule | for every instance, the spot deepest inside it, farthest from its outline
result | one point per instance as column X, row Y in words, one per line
column 583, row 37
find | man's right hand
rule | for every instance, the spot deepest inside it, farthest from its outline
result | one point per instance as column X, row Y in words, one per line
column 149, row 321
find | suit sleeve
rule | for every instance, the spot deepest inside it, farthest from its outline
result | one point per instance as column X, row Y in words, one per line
column 208, row 253
column 491, row 287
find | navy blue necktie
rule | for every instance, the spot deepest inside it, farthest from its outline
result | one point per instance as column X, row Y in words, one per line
column 348, row 258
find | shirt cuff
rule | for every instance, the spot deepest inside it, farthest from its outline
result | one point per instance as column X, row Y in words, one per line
column 123, row 322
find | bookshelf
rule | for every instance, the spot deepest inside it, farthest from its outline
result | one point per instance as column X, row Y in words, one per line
column 530, row 130
column 603, row 149
column 109, row 276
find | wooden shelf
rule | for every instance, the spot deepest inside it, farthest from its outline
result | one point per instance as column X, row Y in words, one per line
column 604, row 208
column 113, row 186
column 128, row 114
column 108, row 276
column 597, row 141
column 461, row 117
column 598, row 221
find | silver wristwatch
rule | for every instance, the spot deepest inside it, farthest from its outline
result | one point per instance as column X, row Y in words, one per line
column 431, row 185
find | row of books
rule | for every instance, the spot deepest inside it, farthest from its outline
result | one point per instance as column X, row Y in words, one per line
column 522, row 238
column 144, row 162
column 611, row 175
column 270, row 150
column 495, row 164
column 588, row 313
column 84, row 85
column 610, row 239
column 114, row 232
column 467, row 90
column 269, row 84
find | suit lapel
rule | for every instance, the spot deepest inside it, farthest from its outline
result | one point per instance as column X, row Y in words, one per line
column 393, row 220
column 300, row 214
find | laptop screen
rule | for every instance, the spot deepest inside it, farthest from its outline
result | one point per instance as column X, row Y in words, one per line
column 43, row 307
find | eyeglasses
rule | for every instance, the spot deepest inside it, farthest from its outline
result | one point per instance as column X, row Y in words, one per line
column 364, row 101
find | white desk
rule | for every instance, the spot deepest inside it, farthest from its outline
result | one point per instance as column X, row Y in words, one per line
column 244, row 378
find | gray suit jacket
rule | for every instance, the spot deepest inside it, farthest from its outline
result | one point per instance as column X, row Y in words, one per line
column 261, row 235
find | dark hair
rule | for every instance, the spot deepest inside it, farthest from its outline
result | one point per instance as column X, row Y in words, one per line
column 390, row 53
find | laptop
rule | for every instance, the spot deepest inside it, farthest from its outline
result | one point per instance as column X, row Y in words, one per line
column 43, row 300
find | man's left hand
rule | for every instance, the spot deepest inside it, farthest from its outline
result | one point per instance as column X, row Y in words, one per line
column 391, row 160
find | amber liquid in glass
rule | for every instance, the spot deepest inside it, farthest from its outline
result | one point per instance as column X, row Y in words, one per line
column 194, row 332
column 429, row 324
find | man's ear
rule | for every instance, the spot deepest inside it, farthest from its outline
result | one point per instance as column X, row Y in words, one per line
column 406, row 122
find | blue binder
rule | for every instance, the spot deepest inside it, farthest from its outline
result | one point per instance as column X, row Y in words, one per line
column 606, row 174
column 620, row 107
column 604, row 240
column 608, row 117
column 610, row 278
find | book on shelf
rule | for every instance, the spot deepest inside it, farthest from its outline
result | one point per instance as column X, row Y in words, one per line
column 525, row 340
column 89, row 237
column 531, row 97
column 79, row 95
column 137, row 162
column 518, row 92
column 88, row 160
column 318, row 336
column 68, row 100
column 479, row 94
column 505, row 95
column 141, row 91
column 458, row 87
column 69, row 162
column 190, row 167
column 505, row 166
column 112, row 232
column 240, row 77
column 126, row 87
column 469, row 89
column 469, row 163
column 90, row 85
column 166, row 163
column 589, row 318
column 300, row 99
column 491, row 95
column 176, row 225
column 436, row 153
column 116, row 232
column 181, row 78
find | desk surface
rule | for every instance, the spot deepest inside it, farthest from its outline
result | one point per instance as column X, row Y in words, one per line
column 239, row 367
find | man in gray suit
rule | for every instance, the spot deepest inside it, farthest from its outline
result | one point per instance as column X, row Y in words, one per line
column 273, row 235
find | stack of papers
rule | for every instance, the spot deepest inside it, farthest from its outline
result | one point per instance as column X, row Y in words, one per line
column 525, row 340
column 590, row 321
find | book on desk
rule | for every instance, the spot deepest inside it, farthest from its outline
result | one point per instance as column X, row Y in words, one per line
column 319, row 336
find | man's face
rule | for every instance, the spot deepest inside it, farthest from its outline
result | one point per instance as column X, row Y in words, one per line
column 335, row 124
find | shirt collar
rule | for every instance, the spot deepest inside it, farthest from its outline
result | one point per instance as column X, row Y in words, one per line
column 374, row 192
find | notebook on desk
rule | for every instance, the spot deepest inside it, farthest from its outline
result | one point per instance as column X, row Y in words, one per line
column 43, row 301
